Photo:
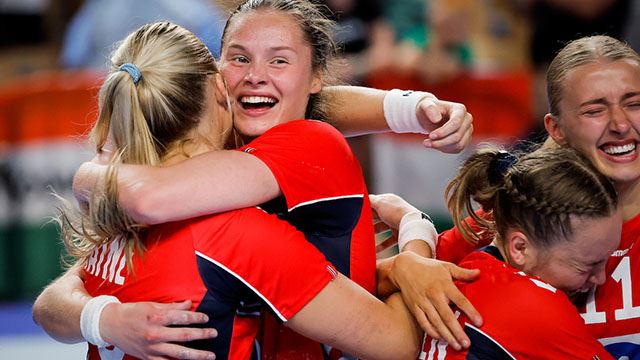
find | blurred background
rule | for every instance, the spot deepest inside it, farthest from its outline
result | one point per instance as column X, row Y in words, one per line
column 490, row 55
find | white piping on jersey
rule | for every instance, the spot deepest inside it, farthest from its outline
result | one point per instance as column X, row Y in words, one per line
column 244, row 282
column 326, row 199
column 633, row 339
column 490, row 338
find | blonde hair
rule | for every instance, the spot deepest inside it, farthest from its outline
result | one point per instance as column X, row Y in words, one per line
column 144, row 119
column 537, row 193
column 580, row 52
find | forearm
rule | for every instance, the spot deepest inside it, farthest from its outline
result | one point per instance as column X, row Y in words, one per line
column 358, row 323
column 356, row 110
column 210, row 183
column 57, row 310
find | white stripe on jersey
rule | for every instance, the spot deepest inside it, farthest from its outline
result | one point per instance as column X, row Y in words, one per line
column 327, row 199
column 244, row 282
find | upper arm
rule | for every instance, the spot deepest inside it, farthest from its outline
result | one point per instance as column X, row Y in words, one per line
column 210, row 183
column 346, row 316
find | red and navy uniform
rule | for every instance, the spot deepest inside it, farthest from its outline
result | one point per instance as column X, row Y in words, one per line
column 325, row 197
column 612, row 312
column 226, row 264
column 524, row 318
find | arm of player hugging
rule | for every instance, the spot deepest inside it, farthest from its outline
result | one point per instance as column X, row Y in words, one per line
column 358, row 110
column 57, row 310
column 210, row 183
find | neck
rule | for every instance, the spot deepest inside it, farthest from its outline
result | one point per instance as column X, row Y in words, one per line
column 181, row 152
column 629, row 195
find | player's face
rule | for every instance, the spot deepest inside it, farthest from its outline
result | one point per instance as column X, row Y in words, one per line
column 600, row 116
column 266, row 61
column 578, row 264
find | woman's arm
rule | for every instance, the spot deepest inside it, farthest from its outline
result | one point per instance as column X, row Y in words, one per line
column 199, row 186
column 358, row 110
column 347, row 317
column 426, row 284
column 140, row 329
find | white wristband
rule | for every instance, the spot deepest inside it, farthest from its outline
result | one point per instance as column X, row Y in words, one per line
column 400, row 108
column 90, row 319
column 417, row 226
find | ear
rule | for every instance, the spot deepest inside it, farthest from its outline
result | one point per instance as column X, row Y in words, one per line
column 554, row 129
column 519, row 249
column 221, row 92
column 316, row 82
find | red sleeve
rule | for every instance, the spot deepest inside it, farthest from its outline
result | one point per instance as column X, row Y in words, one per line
column 307, row 157
column 257, row 249
column 453, row 247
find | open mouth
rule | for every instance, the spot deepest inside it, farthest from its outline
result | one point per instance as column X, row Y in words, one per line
column 257, row 102
column 619, row 150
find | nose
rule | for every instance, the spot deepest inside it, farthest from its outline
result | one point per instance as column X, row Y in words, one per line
column 619, row 120
column 256, row 74
column 598, row 278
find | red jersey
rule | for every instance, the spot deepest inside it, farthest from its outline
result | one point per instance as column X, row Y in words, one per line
column 612, row 312
column 524, row 318
column 227, row 264
column 325, row 197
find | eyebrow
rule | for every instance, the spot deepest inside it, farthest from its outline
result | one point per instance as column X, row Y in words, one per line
column 603, row 101
column 275, row 48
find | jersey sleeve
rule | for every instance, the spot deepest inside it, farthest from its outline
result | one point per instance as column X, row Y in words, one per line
column 307, row 157
column 453, row 247
column 269, row 257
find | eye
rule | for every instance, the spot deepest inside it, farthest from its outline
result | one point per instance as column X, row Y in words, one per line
column 593, row 112
column 279, row 61
column 634, row 105
column 240, row 59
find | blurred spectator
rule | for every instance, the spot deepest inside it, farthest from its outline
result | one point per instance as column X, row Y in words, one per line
column 92, row 32
column 360, row 30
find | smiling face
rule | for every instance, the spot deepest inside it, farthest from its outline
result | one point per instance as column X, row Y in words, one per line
column 578, row 264
column 599, row 115
column 266, row 61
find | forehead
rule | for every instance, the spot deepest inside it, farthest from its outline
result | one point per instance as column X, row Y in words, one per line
column 593, row 239
column 606, row 79
column 266, row 26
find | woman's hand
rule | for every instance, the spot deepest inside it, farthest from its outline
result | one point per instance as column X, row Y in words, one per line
column 428, row 290
column 145, row 330
column 449, row 124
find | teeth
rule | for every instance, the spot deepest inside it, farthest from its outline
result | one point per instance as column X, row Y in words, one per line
column 613, row 150
column 257, row 99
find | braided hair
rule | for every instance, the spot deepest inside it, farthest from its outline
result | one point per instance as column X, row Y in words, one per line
column 538, row 193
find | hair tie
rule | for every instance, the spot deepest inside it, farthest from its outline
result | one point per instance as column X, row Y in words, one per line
column 499, row 165
column 132, row 70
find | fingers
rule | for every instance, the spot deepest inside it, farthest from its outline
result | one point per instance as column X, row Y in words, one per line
column 431, row 111
column 179, row 314
column 454, row 133
column 465, row 306
column 175, row 351
column 169, row 334
column 459, row 273
column 439, row 326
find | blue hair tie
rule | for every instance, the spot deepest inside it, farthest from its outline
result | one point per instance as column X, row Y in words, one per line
column 132, row 70
column 499, row 165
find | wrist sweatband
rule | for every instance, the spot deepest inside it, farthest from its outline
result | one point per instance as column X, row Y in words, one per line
column 400, row 110
column 417, row 226
column 90, row 319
